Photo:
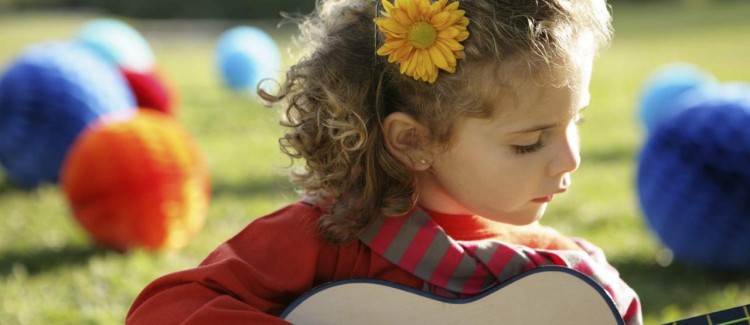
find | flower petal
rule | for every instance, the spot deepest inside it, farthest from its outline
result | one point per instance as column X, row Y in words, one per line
column 396, row 44
column 403, row 53
column 391, row 26
column 434, row 10
column 401, row 17
column 449, row 32
column 463, row 21
column 424, row 63
column 438, row 58
column 446, row 52
column 424, row 8
column 411, row 8
column 451, row 7
column 388, row 6
column 462, row 36
column 451, row 44
column 441, row 20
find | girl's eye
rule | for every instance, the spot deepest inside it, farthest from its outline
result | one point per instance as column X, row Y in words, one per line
column 521, row 150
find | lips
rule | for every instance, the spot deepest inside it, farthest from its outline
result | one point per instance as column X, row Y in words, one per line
column 545, row 199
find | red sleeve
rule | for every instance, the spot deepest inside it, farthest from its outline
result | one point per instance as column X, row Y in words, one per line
column 248, row 279
column 625, row 298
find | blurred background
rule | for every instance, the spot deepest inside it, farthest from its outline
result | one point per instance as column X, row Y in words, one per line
column 54, row 270
column 169, row 9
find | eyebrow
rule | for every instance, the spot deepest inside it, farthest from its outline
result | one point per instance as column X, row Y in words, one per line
column 542, row 127
column 538, row 128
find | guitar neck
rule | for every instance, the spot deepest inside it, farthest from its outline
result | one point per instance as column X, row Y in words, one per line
column 736, row 315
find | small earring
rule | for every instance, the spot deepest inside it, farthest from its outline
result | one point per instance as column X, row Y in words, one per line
column 423, row 161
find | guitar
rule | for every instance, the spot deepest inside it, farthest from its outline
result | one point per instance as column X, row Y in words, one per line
column 548, row 295
column 733, row 316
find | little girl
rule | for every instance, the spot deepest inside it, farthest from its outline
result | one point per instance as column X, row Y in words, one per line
column 433, row 135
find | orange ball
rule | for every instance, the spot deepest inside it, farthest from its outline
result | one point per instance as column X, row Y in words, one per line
column 137, row 181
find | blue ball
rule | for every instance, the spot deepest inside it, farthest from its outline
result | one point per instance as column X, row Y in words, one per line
column 670, row 89
column 47, row 97
column 694, row 181
column 119, row 43
column 245, row 56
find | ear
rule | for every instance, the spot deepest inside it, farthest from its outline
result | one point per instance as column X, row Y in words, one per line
column 406, row 140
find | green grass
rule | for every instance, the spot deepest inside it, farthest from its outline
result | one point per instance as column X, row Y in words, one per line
column 51, row 274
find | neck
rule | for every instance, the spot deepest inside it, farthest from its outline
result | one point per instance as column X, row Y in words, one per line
column 465, row 227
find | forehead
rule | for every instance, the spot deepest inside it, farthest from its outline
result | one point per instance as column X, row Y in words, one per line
column 524, row 71
column 521, row 97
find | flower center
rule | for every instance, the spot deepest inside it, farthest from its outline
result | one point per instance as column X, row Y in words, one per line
column 422, row 34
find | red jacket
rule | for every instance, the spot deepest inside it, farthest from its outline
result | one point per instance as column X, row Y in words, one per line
column 252, row 277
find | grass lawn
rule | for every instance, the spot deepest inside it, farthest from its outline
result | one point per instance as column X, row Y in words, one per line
column 51, row 274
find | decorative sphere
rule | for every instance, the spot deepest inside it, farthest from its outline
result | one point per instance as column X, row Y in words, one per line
column 246, row 55
column 137, row 181
column 47, row 96
column 669, row 90
column 152, row 90
column 118, row 42
column 694, row 182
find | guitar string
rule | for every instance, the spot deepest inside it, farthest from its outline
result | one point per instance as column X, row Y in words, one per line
column 736, row 321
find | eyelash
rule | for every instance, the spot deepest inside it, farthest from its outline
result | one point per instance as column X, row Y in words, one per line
column 522, row 150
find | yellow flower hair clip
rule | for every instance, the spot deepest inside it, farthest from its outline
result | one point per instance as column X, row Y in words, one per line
column 423, row 36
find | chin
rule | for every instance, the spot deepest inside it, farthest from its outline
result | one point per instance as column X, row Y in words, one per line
column 519, row 218
column 535, row 216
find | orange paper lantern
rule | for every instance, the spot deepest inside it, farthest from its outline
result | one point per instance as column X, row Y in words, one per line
column 137, row 181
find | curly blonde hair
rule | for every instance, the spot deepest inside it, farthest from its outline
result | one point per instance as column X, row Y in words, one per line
column 339, row 93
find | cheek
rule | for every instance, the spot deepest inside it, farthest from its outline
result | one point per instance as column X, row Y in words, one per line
column 510, row 174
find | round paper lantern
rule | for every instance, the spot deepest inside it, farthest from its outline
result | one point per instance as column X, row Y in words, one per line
column 47, row 96
column 246, row 55
column 152, row 90
column 118, row 42
column 665, row 91
column 137, row 181
column 694, row 182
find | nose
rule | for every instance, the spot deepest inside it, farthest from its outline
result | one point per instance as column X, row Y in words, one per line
column 567, row 157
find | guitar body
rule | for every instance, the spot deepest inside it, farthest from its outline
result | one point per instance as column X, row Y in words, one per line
column 549, row 295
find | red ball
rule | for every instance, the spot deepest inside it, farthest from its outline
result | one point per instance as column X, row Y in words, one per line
column 137, row 181
column 152, row 90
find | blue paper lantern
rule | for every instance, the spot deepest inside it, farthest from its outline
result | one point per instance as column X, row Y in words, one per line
column 47, row 96
column 694, row 181
column 670, row 89
column 246, row 55
column 119, row 43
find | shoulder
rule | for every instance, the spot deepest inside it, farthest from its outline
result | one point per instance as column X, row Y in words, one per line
column 289, row 231
column 296, row 221
column 293, row 218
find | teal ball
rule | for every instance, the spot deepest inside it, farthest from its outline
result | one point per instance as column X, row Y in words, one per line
column 670, row 89
column 245, row 56
column 118, row 43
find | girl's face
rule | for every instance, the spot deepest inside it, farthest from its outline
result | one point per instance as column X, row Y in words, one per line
column 508, row 168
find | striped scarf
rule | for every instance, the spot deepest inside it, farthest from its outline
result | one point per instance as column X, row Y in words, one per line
column 456, row 268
